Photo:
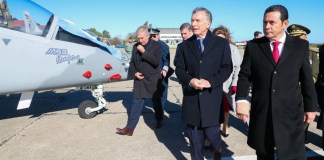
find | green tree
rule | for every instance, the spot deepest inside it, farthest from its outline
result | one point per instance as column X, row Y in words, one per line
column 106, row 34
column 131, row 35
column 95, row 32
column 147, row 24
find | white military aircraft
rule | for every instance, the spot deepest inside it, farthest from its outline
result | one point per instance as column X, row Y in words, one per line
column 40, row 51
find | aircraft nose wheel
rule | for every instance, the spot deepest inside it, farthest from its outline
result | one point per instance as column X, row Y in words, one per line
column 85, row 108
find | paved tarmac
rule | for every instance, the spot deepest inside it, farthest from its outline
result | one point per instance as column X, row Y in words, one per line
column 52, row 130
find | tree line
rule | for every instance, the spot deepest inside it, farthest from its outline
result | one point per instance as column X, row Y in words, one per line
column 116, row 40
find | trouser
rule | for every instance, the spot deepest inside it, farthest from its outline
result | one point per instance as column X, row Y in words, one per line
column 157, row 101
column 164, row 98
column 197, row 137
column 135, row 112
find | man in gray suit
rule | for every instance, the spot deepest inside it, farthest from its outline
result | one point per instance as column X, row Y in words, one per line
column 283, row 93
column 203, row 64
column 145, row 70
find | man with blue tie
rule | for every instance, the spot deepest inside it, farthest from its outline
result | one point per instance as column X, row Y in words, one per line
column 283, row 93
column 203, row 65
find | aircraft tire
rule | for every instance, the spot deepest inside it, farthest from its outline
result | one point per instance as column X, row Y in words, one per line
column 82, row 109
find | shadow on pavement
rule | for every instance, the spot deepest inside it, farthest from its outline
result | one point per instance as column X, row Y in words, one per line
column 238, row 124
column 42, row 102
column 171, row 134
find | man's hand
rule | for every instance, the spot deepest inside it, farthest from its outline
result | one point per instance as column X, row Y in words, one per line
column 309, row 117
column 199, row 84
column 204, row 83
column 141, row 49
column 163, row 72
column 242, row 117
column 139, row 75
column 195, row 83
column 243, row 111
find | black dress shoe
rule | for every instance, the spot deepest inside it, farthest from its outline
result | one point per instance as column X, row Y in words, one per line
column 158, row 124
column 217, row 155
column 225, row 135
column 207, row 147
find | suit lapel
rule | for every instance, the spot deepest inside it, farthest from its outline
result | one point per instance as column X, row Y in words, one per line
column 208, row 43
column 286, row 50
column 265, row 45
column 193, row 46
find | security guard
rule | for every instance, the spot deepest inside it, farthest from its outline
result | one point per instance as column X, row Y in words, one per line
column 300, row 31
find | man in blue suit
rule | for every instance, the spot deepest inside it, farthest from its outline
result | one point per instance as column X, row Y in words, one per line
column 165, row 73
column 203, row 65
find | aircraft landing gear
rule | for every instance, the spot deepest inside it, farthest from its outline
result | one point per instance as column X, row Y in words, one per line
column 89, row 109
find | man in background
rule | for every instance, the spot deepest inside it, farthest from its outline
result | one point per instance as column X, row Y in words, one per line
column 300, row 31
column 257, row 34
column 186, row 32
column 105, row 40
column 129, row 45
column 165, row 68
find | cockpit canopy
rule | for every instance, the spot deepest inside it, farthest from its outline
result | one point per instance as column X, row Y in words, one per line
column 25, row 16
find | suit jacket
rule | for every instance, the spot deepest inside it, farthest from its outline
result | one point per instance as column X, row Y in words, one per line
column 148, row 64
column 202, row 108
column 320, row 88
column 165, row 64
column 285, row 89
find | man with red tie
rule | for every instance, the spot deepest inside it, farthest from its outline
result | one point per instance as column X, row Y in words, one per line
column 283, row 93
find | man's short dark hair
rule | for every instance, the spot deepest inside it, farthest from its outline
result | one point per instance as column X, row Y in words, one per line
column 280, row 8
column 185, row 26
column 256, row 33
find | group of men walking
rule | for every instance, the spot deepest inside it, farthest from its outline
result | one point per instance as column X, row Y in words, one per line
column 276, row 65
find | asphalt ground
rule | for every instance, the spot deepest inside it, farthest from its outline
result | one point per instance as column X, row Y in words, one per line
column 51, row 129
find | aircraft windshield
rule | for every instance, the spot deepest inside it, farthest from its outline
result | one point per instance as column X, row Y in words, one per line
column 24, row 16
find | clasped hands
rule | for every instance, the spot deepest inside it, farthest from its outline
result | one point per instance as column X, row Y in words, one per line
column 199, row 84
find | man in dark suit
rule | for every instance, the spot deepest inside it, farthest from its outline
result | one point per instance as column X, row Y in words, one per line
column 145, row 70
column 165, row 69
column 203, row 64
column 283, row 93
column 320, row 92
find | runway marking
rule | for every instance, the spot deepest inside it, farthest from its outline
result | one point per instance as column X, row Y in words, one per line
column 253, row 157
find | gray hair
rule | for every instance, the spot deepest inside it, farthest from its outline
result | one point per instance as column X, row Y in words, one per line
column 143, row 29
column 209, row 16
column 185, row 26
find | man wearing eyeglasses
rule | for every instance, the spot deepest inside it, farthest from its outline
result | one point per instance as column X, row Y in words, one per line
column 166, row 72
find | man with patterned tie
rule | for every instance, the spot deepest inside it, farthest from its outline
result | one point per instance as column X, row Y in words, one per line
column 283, row 93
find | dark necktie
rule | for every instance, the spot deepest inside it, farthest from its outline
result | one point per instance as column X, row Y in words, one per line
column 201, row 45
column 275, row 51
